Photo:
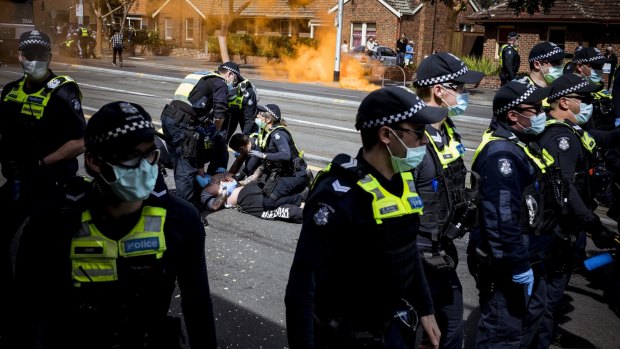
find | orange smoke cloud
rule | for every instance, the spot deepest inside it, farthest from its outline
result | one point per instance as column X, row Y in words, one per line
column 311, row 64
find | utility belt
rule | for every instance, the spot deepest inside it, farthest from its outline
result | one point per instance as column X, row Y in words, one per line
column 397, row 332
column 439, row 259
column 181, row 117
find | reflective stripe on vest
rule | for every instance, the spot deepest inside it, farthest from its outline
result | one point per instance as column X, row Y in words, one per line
column 586, row 140
column 451, row 151
column 34, row 104
column 541, row 163
column 188, row 84
column 602, row 94
column 84, row 31
column 93, row 256
column 386, row 205
column 238, row 100
column 501, row 53
column 263, row 137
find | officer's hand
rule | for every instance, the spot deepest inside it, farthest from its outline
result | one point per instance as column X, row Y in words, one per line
column 203, row 181
column 432, row 330
column 257, row 154
column 526, row 278
column 604, row 237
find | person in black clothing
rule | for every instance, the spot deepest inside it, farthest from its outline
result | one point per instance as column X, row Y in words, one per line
column 509, row 59
column 286, row 175
column 576, row 154
column 517, row 216
column 191, row 123
column 401, row 49
column 612, row 59
column 357, row 279
column 41, row 134
column 109, row 256
column 242, row 102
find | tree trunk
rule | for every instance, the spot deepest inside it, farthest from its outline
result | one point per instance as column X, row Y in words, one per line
column 99, row 37
column 221, row 39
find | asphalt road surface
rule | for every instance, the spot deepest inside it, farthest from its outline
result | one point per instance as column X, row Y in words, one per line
column 249, row 258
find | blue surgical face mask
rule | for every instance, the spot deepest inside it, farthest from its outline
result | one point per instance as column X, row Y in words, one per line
column 537, row 124
column 554, row 72
column 596, row 75
column 461, row 105
column 585, row 112
column 260, row 123
column 411, row 160
column 134, row 184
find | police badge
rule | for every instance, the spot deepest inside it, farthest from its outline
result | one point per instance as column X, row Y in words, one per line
column 53, row 83
column 563, row 143
column 505, row 167
column 322, row 214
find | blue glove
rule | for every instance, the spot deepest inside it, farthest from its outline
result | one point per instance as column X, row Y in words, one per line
column 203, row 181
column 235, row 154
column 526, row 278
column 257, row 154
column 229, row 187
column 220, row 170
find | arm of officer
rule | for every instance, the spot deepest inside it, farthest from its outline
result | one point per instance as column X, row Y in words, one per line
column 309, row 265
column 606, row 139
column 280, row 140
column 500, row 197
column 220, row 102
column 193, row 278
column 249, row 111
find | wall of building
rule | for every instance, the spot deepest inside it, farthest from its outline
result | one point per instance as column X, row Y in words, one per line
column 178, row 11
column 371, row 11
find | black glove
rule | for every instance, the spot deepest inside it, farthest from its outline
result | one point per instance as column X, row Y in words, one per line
column 604, row 238
column 257, row 154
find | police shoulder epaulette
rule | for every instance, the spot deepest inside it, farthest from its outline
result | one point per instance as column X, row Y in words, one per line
column 349, row 165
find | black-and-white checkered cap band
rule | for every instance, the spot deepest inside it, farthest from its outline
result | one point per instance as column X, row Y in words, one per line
column 35, row 41
column 516, row 102
column 556, row 50
column 272, row 113
column 443, row 78
column 121, row 131
column 569, row 90
column 392, row 119
column 231, row 70
column 591, row 59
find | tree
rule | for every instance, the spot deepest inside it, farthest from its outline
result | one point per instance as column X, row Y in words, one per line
column 113, row 6
column 530, row 6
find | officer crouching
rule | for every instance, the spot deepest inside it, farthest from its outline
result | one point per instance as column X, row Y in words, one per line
column 357, row 280
column 516, row 218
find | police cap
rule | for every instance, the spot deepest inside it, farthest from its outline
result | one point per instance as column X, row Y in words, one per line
column 546, row 51
column 571, row 84
column 445, row 67
column 34, row 40
column 515, row 93
column 589, row 55
column 272, row 109
column 390, row 105
column 513, row 35
column 232, row 67
column 117, row 127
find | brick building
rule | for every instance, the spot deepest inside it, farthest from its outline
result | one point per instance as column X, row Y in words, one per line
column 423, row 23
column 594, row 23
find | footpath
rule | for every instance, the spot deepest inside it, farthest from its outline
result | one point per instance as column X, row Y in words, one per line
column 478, row 96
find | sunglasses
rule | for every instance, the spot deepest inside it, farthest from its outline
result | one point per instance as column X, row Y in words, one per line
column 419, row 133
column 133, row 159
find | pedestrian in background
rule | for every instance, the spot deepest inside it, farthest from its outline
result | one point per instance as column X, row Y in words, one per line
column 41, row 135
column 113, row 251
column 344, row 48
column 450, row 201
column 509, row 59
column 117, row 47
column 612, row 60
column 401, row 49
column 357, row 280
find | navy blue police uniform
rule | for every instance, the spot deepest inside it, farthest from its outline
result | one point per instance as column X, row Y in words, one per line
column 242, row 104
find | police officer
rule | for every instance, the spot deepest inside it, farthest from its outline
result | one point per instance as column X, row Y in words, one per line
column 286, row 175
column 449, row 208
column 41, row 134
column 514, row 229
column 192, row 122
column 357, row 279
column 109, row 257
column 83, row 38
column 242, row 101
column 509, row 59
column 588, row 63
column 575, row 152
column 546, row 59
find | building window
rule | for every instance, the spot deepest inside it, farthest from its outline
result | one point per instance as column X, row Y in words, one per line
column 285, row 28
column 557, row 35
column 189, row 29
column 135, row 22
column 466, row 27
column 168, row 28
column 360, row 32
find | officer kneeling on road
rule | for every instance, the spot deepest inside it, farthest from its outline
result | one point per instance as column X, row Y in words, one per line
column 449, row 204
column 109, row 257
column 517, row 217
column 357, row 279
column 576, row 154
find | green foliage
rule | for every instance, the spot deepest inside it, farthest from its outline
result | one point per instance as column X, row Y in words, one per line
column 258, row 45
column 531, row 6
column 482, row 64
column 241, row 44
column 157, row 45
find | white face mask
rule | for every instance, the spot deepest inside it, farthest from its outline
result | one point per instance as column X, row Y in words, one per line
column 35, row 69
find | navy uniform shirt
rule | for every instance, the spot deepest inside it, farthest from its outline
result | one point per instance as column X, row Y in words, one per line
column 210, row 93
column 505, row 171
column 342, row 268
